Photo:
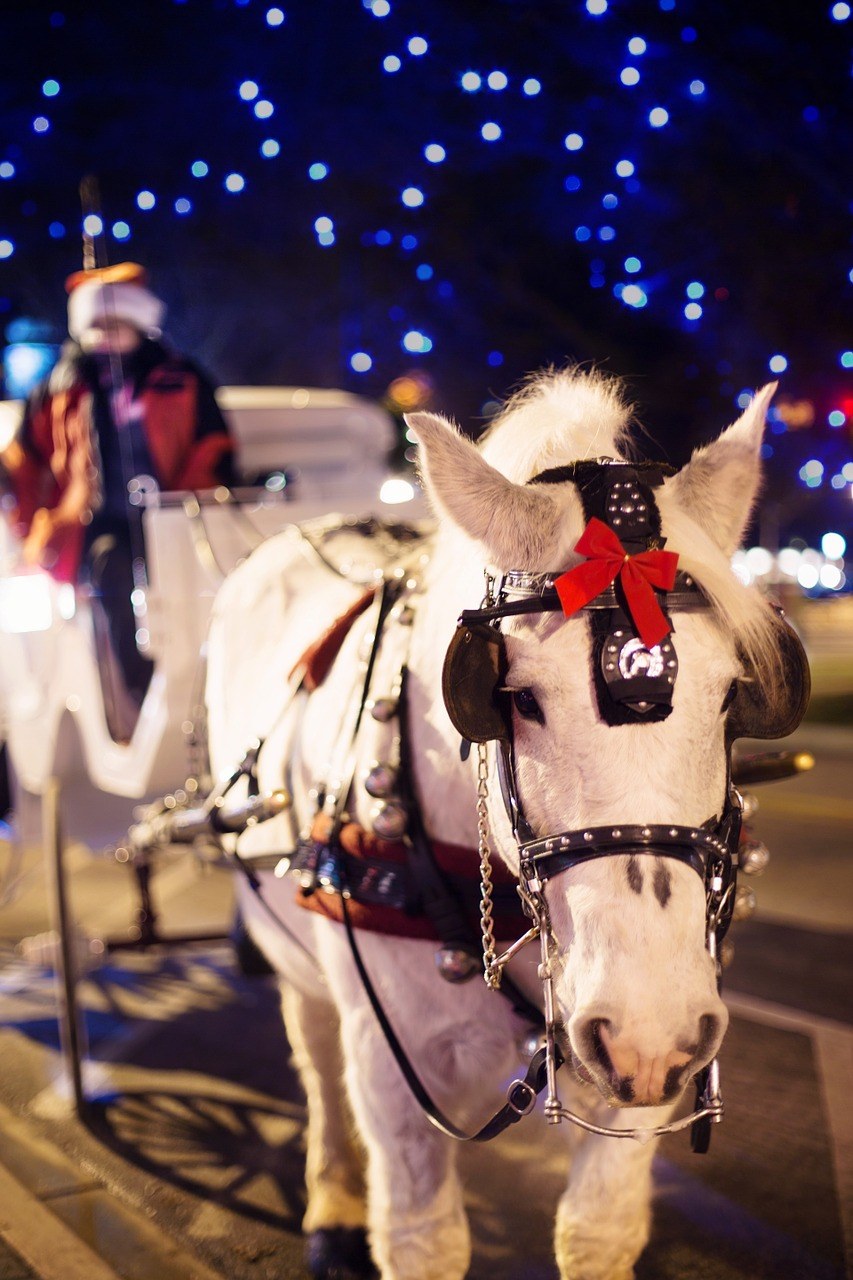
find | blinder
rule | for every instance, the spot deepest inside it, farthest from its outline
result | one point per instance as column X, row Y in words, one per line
column 475, row 668
column 752, row 714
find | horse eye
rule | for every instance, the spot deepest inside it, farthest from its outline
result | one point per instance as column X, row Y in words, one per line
column 527, row 706
column 730, row 696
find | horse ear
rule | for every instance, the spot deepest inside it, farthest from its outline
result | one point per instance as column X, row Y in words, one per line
column 518, row 524
column 721, row 481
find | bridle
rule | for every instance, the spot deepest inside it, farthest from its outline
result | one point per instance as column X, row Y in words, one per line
column 710, row 850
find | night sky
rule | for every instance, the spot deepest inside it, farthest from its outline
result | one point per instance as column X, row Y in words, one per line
column 617, row 164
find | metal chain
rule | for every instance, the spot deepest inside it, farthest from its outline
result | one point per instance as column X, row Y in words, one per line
column 491, row 971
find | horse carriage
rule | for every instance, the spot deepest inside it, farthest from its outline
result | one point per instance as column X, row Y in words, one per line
column 300, row 454
column 502, row 747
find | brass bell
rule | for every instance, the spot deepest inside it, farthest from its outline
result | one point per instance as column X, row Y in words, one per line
column 390, row 820
column 380, row 780
column 744, row 903
column 752, row 857
column 383, row 709
column 456, row 965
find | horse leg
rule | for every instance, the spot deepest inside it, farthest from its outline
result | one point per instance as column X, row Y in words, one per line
column 418, row 1228
column 604, row 1216
column 334, row 1220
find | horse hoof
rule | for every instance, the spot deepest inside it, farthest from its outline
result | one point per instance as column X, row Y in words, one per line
column 339, row 1253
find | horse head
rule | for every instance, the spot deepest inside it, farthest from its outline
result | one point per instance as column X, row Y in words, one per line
column 603, row 723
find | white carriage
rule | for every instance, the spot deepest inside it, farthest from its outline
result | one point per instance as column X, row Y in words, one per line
column 300, row 454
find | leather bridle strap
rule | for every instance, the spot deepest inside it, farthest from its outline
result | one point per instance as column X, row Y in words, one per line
column 520, row 1096
column 549, row 856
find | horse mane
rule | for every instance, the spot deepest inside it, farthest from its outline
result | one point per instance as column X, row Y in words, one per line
column 559, row 416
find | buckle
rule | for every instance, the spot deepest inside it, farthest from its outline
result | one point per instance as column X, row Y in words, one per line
column 519, row 1106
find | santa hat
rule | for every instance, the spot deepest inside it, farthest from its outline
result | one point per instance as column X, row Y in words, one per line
column 113, row 293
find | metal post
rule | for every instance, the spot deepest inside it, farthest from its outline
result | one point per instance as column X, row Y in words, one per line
column 71, row 1031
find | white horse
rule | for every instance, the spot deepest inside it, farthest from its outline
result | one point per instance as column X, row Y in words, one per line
column 634, row 984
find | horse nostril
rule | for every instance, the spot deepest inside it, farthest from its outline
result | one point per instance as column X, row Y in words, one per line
column 594, row 1036
column 712, row 1028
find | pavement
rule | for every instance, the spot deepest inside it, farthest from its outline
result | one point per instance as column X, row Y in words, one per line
column 188, row 1160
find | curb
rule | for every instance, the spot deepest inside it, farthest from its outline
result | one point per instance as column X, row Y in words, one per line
column 66, row 1225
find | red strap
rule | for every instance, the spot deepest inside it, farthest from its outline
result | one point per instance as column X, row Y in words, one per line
column 319, row 656
column 607, row 560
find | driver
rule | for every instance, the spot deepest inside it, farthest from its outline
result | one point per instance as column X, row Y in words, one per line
column 119, row 403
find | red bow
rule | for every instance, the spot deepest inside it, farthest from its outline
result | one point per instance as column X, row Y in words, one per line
column 606, row 560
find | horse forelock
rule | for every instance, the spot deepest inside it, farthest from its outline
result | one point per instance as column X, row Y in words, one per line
column 559, row 416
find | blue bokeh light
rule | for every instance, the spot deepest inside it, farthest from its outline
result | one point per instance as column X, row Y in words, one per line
column 633, row 265
column 573, row 142
column 637, row 46
column 777, row 364
column 695, row 289
column 361, row 362
column 633, row 296
column 497, row 80
column 270, row 147
column 424, row 271
column 50, row 88
column 629, row 76
column 417, row 46
column 658, row 117
column 146, row 199
column 234, row 182
column 121, row 230
column 248, row 90
column 624, row 168
column 471, row 81
column 434, row 152
column 318, row 171
column 697, row 88
column 183, row 206
column 199, row 169
column 531, row 87
column 263, row 109
column 416, row 343
column 391, row 64
column 93, row 225
column 275, row 17
column 7, row 169
column 412, row 197
column 491, row 131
